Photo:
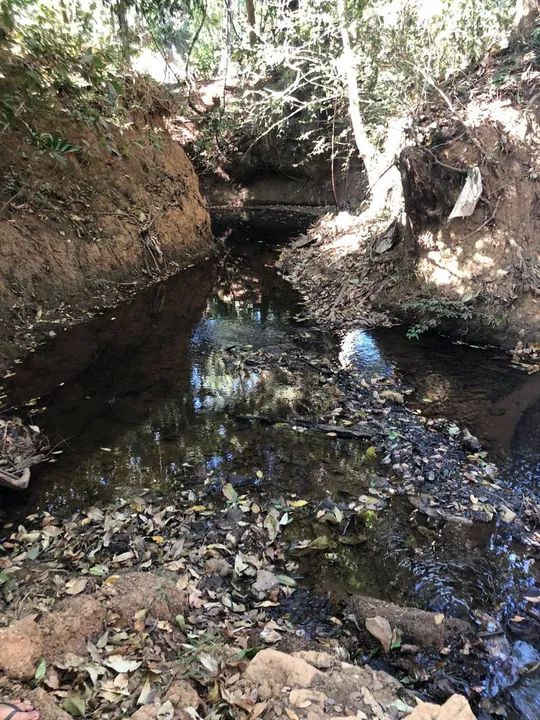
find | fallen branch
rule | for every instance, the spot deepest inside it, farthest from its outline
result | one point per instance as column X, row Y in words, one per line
column 360, row 431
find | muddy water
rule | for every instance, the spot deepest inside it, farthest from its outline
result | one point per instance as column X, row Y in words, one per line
column 148, row 396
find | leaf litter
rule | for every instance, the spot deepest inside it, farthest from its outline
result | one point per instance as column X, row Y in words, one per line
column 228, row 559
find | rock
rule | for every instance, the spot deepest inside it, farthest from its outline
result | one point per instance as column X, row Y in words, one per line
column 425, row 628
column 455, row 708
column 21, row 648
column 137, row 591
column 470, row 442
column 265, row 581
column 302, row 697
column 183, row 695
column 47, row 706
column 320, row 660
column 70, row 625
column 279, row 669
column 66, row 629
column 346, row 689
column 392, row 395
column 360, row 688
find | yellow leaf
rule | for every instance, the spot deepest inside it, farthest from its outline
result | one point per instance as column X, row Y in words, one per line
column 158, row 539
column 371, row 453
column 111, row 580
column 298, row 503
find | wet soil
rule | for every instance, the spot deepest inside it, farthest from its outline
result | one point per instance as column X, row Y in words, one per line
column 149, row 395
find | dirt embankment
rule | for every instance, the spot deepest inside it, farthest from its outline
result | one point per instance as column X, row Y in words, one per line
column 479, row 275
column 83, row 229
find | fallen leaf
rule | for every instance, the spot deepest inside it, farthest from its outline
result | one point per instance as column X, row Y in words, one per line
column 40, row 671
column 76, row 586
column 120, row 665
column 229, row 492
column 74, row 705
column 381, row 629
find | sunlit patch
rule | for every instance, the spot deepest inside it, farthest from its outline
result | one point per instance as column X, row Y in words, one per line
column 359, row 349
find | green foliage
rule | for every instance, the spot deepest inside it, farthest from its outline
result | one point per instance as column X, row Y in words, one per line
column 433, row 312
column 62, row 66
column 53, row 144
column 294, row 79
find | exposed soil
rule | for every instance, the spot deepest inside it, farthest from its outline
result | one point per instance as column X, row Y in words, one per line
column 92, row 226
column 479, row 275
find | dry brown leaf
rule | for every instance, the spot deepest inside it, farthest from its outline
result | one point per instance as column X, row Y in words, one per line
column 381, row 629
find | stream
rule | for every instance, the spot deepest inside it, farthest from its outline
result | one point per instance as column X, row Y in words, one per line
column 147, row 395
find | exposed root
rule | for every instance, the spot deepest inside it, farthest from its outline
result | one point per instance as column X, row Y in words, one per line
column 21, row 447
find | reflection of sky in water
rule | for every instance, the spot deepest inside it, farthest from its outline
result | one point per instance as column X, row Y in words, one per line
column 360, row 350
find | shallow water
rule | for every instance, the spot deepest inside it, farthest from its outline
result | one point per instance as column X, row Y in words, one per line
column 147, row 394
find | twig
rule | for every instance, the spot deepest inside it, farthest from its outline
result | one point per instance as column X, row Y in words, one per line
column 463, row 171
column 486, row 222
column 12, row 198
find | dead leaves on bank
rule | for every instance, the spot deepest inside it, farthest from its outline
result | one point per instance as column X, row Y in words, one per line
column 228, row 560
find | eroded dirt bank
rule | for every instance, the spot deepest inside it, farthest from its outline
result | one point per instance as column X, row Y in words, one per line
column 85, row 229
column 478, row 275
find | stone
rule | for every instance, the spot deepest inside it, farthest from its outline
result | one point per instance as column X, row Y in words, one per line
column 182, row 695
column 137, row 591
column 21, row 648
column 47, row 706
column 470, row 442
column 70, row 625
column 425, row 628
column 455, row 708
column 265, row 581
column 279, row 669
column 320, row 660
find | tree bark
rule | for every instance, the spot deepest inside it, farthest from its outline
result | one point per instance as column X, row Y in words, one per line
column 366, row 149
column 250, row 11
column 383, row 177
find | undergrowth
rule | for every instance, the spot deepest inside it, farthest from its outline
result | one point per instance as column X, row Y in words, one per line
column 56, row 75
column 434, row 312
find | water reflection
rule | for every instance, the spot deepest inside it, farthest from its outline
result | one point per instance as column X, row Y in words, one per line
column 146, row 396
column 360, row 350
column 475, row 387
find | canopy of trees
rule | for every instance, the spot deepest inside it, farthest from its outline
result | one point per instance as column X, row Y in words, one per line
column 331, row 75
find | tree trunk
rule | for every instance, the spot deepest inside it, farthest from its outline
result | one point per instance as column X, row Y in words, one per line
column 368, row 152
column 383, row 177
column 250, row 11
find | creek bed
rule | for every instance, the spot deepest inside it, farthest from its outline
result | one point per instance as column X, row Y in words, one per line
column 148, row 394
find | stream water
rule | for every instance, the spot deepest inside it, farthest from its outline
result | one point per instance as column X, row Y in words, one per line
column 146, row 396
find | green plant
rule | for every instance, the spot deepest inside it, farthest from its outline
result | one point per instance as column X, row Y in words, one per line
column 53, row 144
column 435, row 311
